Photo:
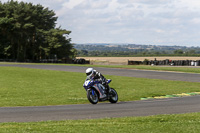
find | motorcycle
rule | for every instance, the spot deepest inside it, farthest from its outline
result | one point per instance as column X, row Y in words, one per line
column 97, row 92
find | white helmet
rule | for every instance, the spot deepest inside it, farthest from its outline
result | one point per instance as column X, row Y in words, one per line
column 89, row 72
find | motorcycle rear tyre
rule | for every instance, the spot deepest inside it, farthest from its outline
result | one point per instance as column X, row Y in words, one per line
column 114, row 98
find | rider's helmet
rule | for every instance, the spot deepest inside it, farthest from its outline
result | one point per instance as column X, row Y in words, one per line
column 89, row 72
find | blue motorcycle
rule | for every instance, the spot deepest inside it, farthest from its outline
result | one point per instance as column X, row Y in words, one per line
column 97, row 92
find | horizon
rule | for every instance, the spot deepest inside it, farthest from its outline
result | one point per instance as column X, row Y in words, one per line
column 132, row 44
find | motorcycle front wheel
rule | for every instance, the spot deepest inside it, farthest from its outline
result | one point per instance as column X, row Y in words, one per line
column 113, row 96
column 92, row 96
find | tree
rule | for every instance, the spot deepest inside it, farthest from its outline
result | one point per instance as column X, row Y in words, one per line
column 178, row 52
column 191, row 52
column 29, row 32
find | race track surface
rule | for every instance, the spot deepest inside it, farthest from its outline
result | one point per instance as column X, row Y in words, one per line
column 190, row 77
column 102, row 110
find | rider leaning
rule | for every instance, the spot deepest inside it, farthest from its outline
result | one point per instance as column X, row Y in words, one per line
column 91, row 73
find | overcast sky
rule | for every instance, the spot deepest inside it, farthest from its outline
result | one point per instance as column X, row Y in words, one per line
column 155, row 22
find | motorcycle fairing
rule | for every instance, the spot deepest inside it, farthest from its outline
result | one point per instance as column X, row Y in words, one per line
column 96, row 85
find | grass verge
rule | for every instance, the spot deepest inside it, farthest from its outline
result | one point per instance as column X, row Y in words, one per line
column 34, row 87
column 179, row 123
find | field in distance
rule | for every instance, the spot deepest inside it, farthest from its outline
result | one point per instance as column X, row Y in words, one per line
column 124, row 60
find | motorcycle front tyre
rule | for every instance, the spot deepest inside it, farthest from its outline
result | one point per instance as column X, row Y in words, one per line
column 92, row 97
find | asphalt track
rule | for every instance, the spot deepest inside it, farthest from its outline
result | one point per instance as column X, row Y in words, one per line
column 102, row 110
column 190, row 77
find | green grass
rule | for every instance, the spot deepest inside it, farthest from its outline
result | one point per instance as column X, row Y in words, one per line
column 34, row 87
column 186, row 69
column 180, row 123
column 162, row 68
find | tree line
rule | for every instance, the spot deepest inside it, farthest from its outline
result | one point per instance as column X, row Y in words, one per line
column 28, row 32
column 137, row 53
column 135, row 50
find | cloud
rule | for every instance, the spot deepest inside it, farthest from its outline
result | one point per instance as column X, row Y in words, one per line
column 72, row 3
column 129, row 21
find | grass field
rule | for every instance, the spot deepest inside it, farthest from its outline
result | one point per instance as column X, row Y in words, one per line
column 125, row 59
column 157, row 68
column 180, row 123
column 34, row 87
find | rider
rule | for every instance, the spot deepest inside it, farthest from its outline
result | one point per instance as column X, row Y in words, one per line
column 91, row 73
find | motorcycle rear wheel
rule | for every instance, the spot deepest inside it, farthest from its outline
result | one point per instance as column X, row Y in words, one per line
column 113, row 96
column 92, row 96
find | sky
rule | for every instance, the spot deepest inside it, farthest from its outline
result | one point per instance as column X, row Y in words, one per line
column 151, row 22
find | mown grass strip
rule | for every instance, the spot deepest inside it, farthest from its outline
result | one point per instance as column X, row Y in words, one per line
column 171, row 96
column 180, row 123
column 34, row 87
column 158, row 68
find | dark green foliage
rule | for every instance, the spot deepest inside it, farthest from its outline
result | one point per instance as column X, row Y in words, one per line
column 27, row 32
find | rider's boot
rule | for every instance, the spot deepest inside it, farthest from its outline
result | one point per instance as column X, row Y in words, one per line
column 107, row 88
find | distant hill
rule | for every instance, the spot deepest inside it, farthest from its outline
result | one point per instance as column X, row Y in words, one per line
column 103, row 49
